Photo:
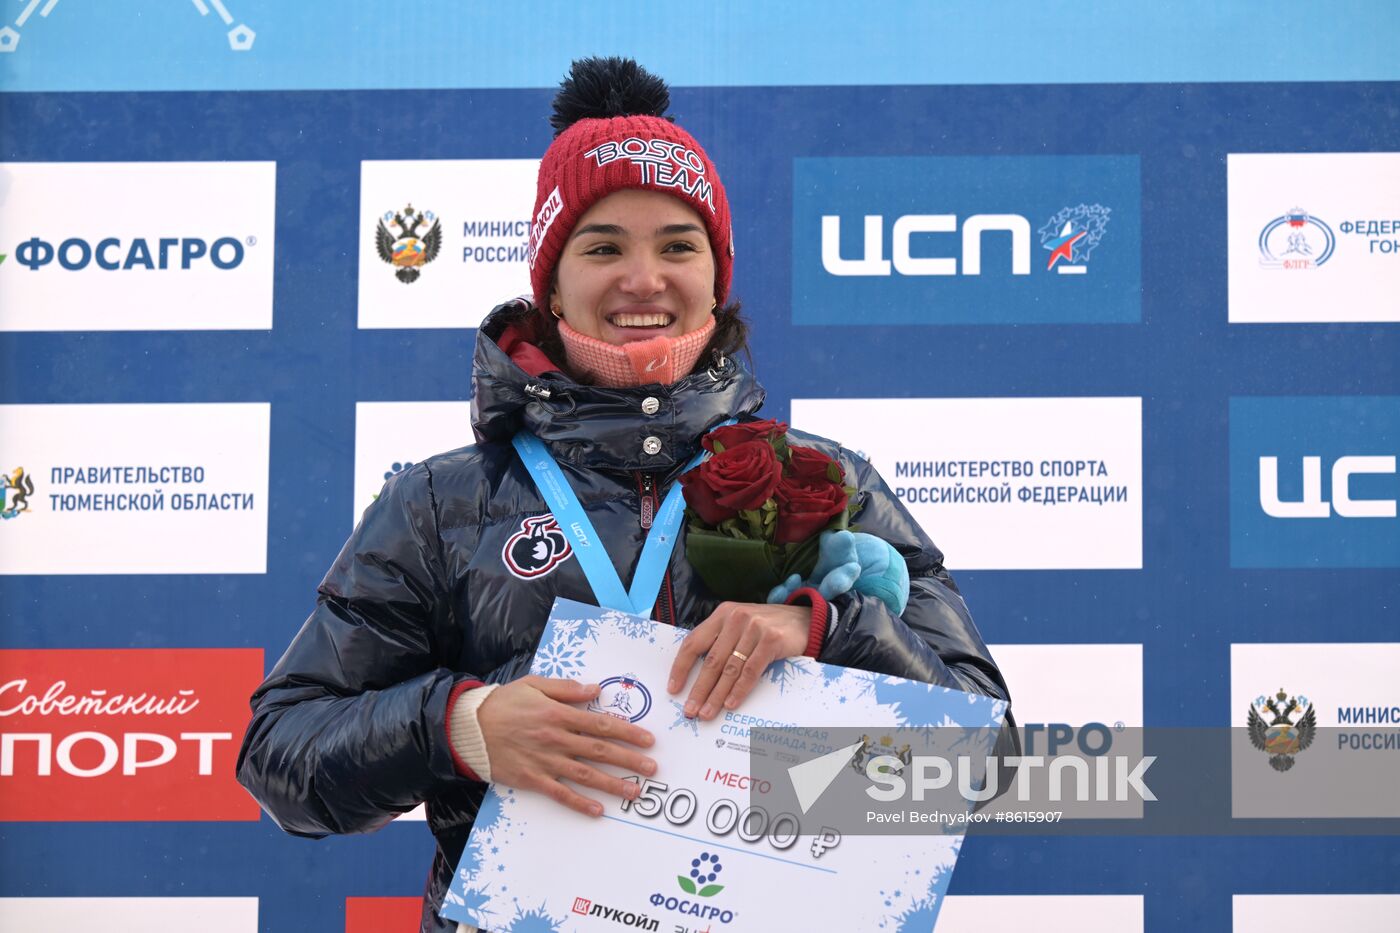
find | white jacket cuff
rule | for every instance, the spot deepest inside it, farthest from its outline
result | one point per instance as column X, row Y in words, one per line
column 465, row 731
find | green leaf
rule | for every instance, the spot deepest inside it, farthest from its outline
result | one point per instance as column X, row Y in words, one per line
column 687, row 885
column 710, row 890
column 754, row 519
column 719, row 448
column 833, row 472
column 800, row 557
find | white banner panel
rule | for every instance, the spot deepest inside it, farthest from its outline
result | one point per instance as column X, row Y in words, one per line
column 135, row 488
column 1005, row 483
column 1342, row 681
column 442, row 241
column 1043, row 913
column 131, row 914
column 1350, row 691
column 137, row 245
column 1314, row 237
column 1073, row 684
column 1074, row 698
column 1308, row 913
column 393, row 436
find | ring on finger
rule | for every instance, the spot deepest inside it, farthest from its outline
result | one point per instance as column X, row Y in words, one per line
column 739, row 654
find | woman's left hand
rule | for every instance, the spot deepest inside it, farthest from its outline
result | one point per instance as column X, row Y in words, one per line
column 738, row 642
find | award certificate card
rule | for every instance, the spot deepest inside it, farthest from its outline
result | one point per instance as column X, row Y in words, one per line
column 700, row 848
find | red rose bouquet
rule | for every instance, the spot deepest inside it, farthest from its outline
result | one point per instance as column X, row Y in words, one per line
column 757, row 508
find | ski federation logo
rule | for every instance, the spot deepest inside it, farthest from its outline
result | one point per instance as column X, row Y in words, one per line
column 1297, row 240
column 14, row 497
column 408, row 240
column 1281, row 737
column 623, row 697
column 1071, row 235
column 537, row 548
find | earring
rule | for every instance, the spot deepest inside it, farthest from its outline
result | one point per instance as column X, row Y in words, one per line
column 554, row 310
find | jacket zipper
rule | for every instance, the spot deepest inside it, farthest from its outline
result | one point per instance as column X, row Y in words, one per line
column 665, row 610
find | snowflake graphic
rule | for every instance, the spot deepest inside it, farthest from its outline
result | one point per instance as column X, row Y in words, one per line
column 470, row 864
column 910, row 698
column 578, row 629
column 865, row 682
column 922, row 914
column 475, row 900
column 632, row 626
column 683, row 720
column 564, row 629
column 588, row 628
column 559, row 659
column 784, row 672
column 536, row 920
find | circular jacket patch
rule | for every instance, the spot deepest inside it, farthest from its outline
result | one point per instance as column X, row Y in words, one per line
column 537, row 548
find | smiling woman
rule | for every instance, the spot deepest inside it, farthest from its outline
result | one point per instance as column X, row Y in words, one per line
column 622, row 277
column 406, row 683
column 634, row 289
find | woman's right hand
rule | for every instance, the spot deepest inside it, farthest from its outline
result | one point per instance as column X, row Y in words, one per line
column 536, row 740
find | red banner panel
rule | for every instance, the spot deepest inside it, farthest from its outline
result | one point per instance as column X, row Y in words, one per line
column 123, row 735
column 383, row 914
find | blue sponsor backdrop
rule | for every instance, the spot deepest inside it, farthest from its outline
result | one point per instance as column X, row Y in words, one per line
column 1178, row 353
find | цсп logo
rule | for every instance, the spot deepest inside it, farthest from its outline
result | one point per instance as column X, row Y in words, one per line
column 408, row 240
column 1312, row 505
column 1281, row 737
column 1070, row 236
column 1296, row 240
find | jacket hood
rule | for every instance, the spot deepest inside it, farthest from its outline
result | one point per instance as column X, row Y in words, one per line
column 597, row 427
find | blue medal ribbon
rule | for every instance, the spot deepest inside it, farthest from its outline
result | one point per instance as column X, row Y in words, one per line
column 592, row 556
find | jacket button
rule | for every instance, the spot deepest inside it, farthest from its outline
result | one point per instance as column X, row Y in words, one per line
column 650, row 405
column 652, row 445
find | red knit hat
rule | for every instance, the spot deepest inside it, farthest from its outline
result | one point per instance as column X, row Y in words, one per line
column 611, row 135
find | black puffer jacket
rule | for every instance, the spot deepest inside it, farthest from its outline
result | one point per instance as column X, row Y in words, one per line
column 451, row 573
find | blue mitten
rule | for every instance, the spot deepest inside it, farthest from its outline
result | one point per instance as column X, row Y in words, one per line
column 852, row 560
column 883, row 573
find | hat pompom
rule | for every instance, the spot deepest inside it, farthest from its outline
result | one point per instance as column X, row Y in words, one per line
column 598, row 88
